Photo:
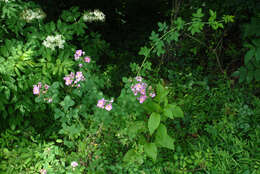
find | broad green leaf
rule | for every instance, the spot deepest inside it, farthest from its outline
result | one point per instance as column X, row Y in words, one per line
column 173, row 111
column 250, row 76
column 135, row 128
column 161, row 93
column 151, row 150
column 257, row 54
column 162, row 138
column 153, row 122
column 242, row 74
column 152, row 107
column 249, row 55
column 58, row 114
column 257, row 75
column 67, row 102
column 168, row 112
column 130, row 156
column 177, row 112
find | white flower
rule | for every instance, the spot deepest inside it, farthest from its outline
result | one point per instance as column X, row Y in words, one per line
column 95, row 15
column 54, row 41
column 6, row 1
column 29, row 14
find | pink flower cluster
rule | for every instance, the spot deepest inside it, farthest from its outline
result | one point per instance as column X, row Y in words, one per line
column 105, row 104
column 78, row 55
column 74, row 164
column 43, row 171
column 37, row 91
column 140, row 88
column 73, row 79
column 37, row 88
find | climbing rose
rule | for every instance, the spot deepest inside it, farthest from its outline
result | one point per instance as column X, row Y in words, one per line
column 74, row 164
column 87, row 59
column 108, row 107
column 101, row 103
column 36, row 89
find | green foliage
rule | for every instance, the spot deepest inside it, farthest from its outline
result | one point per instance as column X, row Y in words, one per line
column 168, row 35
column 251, row 69
column 158, row 110
column 198, row 121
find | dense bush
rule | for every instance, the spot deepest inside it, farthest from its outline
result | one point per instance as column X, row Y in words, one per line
column 78, row 97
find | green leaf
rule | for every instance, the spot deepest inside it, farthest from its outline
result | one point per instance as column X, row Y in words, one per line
column 250, row 76
column 257, row 75
column 153, row 122
column 249, row 55
column 179, row 23
column 151, row 150
column 168, row 112
column 173, row 111
column 59, row 141
column 257, row 54
column 68, row 102
column 154, row 37
column 162, row 27
column 130, row 156
column 58, row 114
column 135, row 128
column 162, row 138
column 152, row 107
column 161, row 93
column 242, row 74
column 144, row 51
column 174, row 35
column 196, row 27
column 177, row 111
column 198, row 14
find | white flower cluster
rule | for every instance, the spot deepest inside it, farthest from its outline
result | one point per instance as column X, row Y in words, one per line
column 6, row 1
column 29, row 15
column 54, row 41
column 96, row 15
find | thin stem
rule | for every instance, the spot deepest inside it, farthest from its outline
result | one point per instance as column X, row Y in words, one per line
column 213, row 50
column 162, row 37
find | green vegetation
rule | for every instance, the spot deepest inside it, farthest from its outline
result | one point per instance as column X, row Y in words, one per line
column 168, row 87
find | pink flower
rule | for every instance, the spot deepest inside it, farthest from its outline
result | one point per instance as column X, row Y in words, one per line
column 74, row 164
column 40, row 85
column 101, row 103
column 78, row 54
column 68, row 80
column 142, row 98
column 79, row 76
column 108, row 107
column 72, row 75
column 152, row 95
column 87, row 59
column 46, row 86
column 139, row 78
column 80, row 65
column 142, row 91
column 36, row 89
column 43, row 171
column 138, row 86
